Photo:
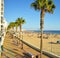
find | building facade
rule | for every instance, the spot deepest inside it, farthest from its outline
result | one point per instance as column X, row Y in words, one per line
column 3, row 23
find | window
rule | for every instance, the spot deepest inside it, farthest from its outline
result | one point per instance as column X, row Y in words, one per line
column 2, row 8
column 1, row 13
column 2, row 4
column 1, row 25
column 1, row 19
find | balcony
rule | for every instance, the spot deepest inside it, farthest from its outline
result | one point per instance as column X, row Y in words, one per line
column 2, row 20
column 2, row 13
column 2, row 4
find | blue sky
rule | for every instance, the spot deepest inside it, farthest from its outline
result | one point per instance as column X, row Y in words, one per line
column 21, row 8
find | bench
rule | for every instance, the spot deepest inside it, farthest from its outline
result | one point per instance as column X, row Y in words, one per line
column 28, row 54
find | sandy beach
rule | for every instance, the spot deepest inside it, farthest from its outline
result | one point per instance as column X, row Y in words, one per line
column 12, row 49
column 49, row 41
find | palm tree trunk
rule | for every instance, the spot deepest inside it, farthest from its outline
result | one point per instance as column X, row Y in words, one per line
column 22, row 42
column 21, row 35
column 20, row 30
column 41, row 28
column 13, row 28
column 16, row 29
column 20, row 27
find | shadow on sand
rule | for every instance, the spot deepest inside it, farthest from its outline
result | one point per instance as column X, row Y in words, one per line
column 53, row 43
column 13, row 53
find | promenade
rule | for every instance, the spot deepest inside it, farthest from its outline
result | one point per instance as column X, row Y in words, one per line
column 12, row 48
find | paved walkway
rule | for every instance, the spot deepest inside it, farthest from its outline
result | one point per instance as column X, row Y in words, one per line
column 12, row 48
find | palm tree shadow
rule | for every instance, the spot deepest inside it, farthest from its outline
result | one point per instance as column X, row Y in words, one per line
column 53, row 43
column 17, row 55
column 2, row 54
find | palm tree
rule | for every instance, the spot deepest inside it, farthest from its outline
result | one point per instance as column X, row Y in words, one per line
column 11, row 25
column 44, row 6
column 16, row 25
column 20, row 21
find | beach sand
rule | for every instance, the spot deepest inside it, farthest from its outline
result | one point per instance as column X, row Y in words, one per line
column 12, row 47
column 49, row 41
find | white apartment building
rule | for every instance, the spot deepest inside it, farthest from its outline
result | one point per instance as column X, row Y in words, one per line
column 3, row 22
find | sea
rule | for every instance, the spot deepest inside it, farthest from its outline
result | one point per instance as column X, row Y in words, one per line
column 49, row 31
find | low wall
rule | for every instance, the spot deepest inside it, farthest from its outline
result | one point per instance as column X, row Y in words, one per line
column 49, row 54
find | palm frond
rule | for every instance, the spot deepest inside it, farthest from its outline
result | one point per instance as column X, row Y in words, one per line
column 53, row 6
column 34, row 6
column 47, row 5
column 20, row 21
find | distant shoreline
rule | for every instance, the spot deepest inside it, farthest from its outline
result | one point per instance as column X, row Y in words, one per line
column 46, row 31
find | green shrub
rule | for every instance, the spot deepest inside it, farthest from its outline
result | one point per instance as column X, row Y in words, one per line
column 2, row 47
